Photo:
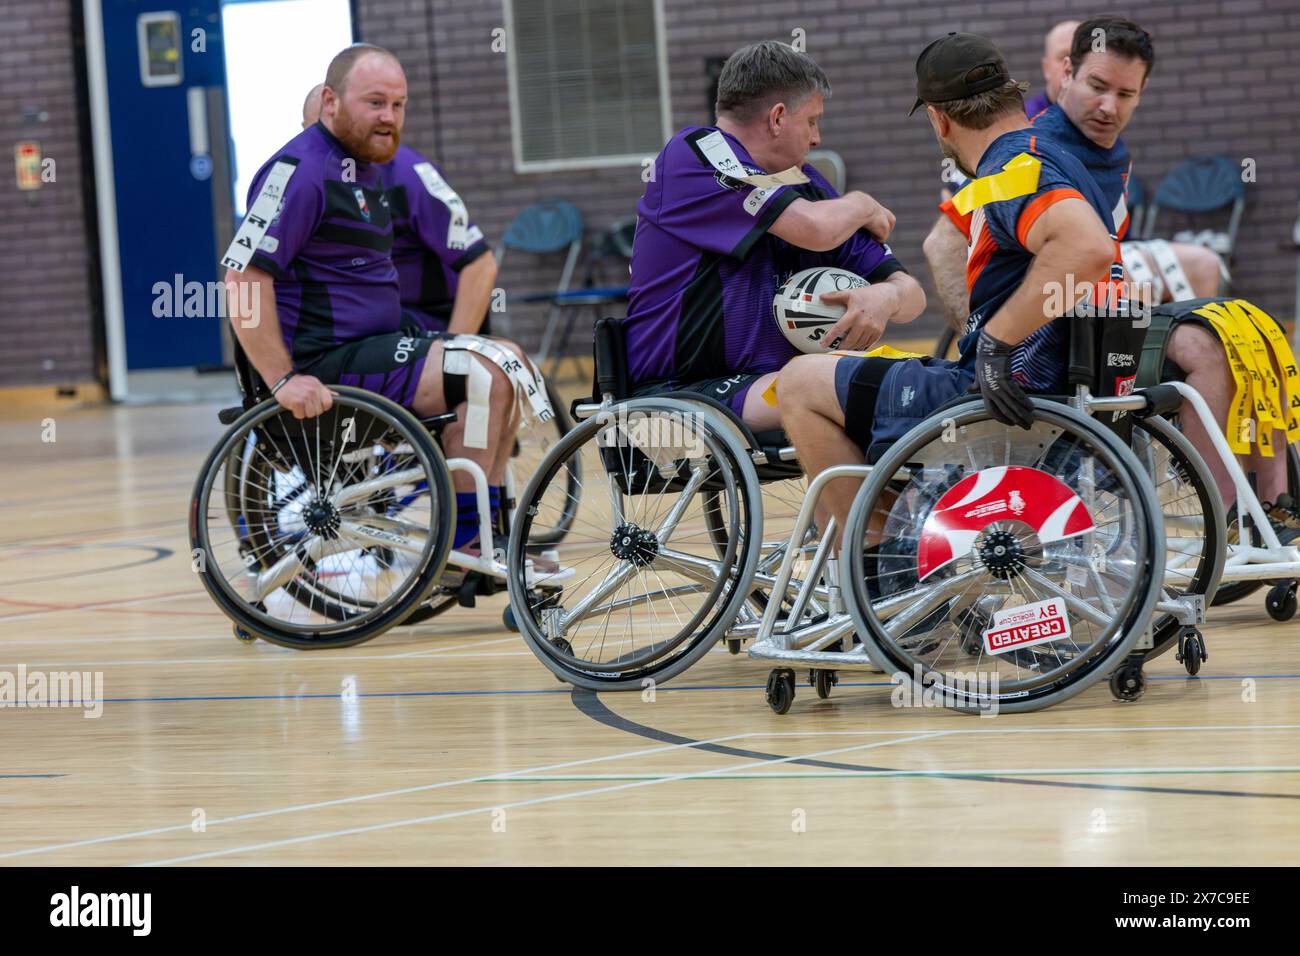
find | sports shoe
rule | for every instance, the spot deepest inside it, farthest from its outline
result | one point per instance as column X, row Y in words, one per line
column 1283, row 515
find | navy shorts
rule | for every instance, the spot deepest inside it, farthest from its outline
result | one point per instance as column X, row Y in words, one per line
column 883, row 398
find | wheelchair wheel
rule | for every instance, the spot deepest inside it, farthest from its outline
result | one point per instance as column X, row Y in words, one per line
column 274, row 495
column 1193, row 519
column 1045, row 543
column 536, row 439
column 642, row 593
column 1236, row 590
column 342, row 522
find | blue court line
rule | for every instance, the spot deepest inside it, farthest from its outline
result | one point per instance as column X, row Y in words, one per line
column 566, row 689
column 29, row 776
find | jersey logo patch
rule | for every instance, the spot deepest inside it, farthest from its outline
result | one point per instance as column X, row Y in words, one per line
column 361, row 202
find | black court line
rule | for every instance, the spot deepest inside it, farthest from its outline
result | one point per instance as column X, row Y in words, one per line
column 590, row 705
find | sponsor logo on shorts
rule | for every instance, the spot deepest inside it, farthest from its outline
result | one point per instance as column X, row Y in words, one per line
column 404, row 348
column 1120, row 360
column 906, row 396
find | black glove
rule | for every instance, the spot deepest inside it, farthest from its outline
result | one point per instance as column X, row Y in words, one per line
column 1004, row 398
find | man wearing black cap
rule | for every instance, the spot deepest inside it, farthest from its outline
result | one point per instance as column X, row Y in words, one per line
column 1034, row 220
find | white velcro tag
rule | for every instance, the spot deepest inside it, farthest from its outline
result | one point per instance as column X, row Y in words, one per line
column 1141, row 273
column 1180, row 288
column 259, row 217
column 527, row 380
column 718, row 152
column 476, row 413
column 458, row 230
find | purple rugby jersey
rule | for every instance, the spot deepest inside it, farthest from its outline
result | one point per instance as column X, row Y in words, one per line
column 705, row 269
column 433, row 237
column 328, row 247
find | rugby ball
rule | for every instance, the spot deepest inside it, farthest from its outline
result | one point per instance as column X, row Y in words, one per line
column 802, row 316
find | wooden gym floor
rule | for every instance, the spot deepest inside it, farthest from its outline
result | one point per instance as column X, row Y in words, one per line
column 458, row 747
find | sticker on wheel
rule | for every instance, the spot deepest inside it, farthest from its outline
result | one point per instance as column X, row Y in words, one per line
column 1027, row 625
column 1002, row 494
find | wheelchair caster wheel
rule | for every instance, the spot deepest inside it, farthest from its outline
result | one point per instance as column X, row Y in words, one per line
column 1128, row 683
column 508, row 619
column 1281, row 601
column 780, row 690
column 823, row 681
column 244, row 636
column 1191, row 652
column 733, row 645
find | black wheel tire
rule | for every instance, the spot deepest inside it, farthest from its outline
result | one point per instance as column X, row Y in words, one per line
column 1128, row 683
column 1193, row 654
column 573, row 479
column 243, row 635
column 823, row 682
column 733, row 645
column 1281, row 601
column 508, row 619
column 780, row 690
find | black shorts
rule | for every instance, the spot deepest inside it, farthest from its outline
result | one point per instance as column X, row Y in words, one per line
column 730, row 391
column 389, row 364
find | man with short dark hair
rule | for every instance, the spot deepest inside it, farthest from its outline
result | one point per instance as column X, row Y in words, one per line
column 1099, row 94
column 730, row 212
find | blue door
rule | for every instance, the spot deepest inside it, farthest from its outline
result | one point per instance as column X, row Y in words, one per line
column 166, row 92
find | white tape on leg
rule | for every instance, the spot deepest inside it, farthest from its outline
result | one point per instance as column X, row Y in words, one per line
column 477, row 413
column 1180, row 288
column 530, row 388
column 1136, row 264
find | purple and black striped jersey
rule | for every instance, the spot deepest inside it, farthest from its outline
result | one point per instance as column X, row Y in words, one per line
column 328, row 247
column 705, row 269
column 433, row 237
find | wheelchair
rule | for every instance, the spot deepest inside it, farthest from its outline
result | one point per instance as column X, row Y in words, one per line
column 326, row 532
column 703, row 531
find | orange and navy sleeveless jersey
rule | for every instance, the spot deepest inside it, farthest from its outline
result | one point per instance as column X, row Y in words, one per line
column 1020, row 176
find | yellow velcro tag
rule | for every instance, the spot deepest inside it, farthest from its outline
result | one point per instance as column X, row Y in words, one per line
column 880, row 351
column 1019, row 177
column 1285, row 361
column 1249, row 402
column 1272, row 389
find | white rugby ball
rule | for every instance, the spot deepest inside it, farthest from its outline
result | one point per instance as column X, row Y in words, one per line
column 802, row 316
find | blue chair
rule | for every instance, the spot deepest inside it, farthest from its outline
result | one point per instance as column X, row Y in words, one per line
column 548, row 227
column 613, row 247
column 1200, row 186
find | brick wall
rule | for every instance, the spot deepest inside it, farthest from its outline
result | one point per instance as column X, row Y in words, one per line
column 46, row 306
column 1227, row 80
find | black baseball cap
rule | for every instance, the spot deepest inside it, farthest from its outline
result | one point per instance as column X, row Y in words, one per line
column 944, row 67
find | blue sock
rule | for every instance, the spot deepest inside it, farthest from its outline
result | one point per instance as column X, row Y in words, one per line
column 466, row 519
column 495, row 494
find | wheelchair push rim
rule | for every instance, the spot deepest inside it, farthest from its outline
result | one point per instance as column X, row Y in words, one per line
column 359, row 497
column 1002, row 568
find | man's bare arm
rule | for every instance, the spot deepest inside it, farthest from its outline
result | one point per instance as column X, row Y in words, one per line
column 945, row 253
column 473, row 293
column 1071, row 247
column 827, row 223
column 250, row 300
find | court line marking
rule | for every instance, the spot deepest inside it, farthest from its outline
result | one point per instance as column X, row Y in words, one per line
column 341, row 801
column 850, row 774
column 513, row 805
column 648, row 751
